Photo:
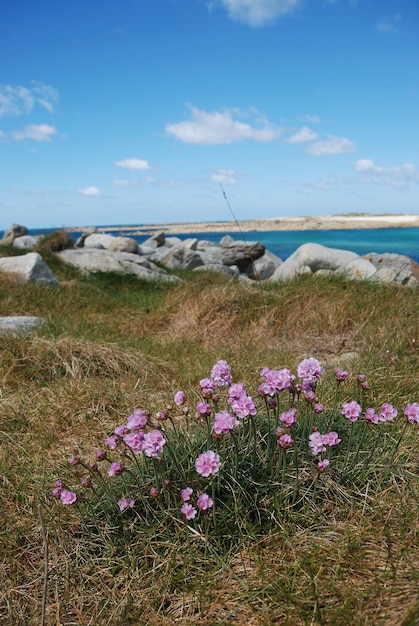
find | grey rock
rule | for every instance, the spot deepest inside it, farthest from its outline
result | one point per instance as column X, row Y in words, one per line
column 155, row 241
column 124, row 244
column 315, row 257
column 391, row 267
column 10, row 235
column 29, row 267
column 182, row 258
column 264, row 268
column 86, row 233
column 20, row 324
column 89, row 260
column 360, row 268
column 99, row 241
column 26, row 242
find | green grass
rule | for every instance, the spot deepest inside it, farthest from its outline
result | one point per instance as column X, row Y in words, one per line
column 111, row 344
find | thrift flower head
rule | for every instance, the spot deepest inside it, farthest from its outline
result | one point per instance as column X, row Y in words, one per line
column 56, row 492
column 412, row 413
column 115, row 468
column 208, row 463
column 310, row 369
column 275, row 381
column 154, row 492
column 207, row 386
column 185, row 494
column 331, row 439
column 285, row 441
column 137, row 420
column 316, row 443
column 387, row 412
column 318, row 407
column 126, row 503
column 322, row 465
column 241, row 404
column 100, row 454
column 74, row 460
column 153, row 444
column 188, row 511
column 204, row 502
column 135, row 441
column 68, row 497
column 341, row 374
column 203, row 408
column 224, row 422
column 221, row 374
column 371, row 416
column 180, row 398
column 352, row 410
column 112, row 442
column 121, row 430
column 288, row 418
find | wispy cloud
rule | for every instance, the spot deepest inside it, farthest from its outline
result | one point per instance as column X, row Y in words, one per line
column 398, row 176
column 36, row 132
column 333, row 145
column 259, row 12
column 215, row 128
column 304, row 135
column 225, row 177
column 134, row 164
column 313, row 119
column 125, row 183
column 389, row 25
column 89, row 191
column 19, row 100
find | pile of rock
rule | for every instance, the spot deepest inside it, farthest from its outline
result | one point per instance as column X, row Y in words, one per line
column 95, row 251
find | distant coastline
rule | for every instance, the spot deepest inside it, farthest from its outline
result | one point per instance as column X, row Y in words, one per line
column 318, row 222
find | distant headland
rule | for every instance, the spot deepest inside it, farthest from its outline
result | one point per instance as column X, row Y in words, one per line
column 345, row 221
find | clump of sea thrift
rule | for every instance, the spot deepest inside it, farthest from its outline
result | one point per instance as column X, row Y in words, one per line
column 236, row 447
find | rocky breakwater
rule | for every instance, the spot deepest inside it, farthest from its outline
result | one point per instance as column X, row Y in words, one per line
column 96, row 251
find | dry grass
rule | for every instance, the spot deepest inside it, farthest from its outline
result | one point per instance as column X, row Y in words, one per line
column 108, row 348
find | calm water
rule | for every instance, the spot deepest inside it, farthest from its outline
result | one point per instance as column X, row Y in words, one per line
column 284, row 243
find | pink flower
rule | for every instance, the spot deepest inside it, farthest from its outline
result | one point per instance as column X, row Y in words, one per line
column 74, row 460
column 371, row 416
column 221, row 374
column 100, row 454
column 180, row 398
column 208, row 463
column 188, row 511
column 121, row 430
column 186, row 493
column 154, row 492
column 126, row 503
column 224, row 422
column 318, row 407
column 203, row 408
column 322, row 465
column 288, row 418
column 112, row 442
column 68, row 497
column 341, row 374
column 310, row 369
column 352, row 410
column 153, row 444
column 207, row 386
column 115, row 468
column 387, row 412
column 135, row 441
column 241, row 404
column 412, row 413
column 316, row 443
column 285, row 441
column 275, row 381
column 56, row 492
column 204, row 502
column 86, row 482
column 331, row 439
column 137, row 420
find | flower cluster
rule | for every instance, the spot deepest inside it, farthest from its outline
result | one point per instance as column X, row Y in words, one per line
column 203, row 503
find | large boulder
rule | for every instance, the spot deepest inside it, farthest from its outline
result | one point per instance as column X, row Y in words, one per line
column 26, row 242
column 10, row 235
column 90, row 260
column 29, row 267
column 393, row 268
column 314, row 257
column 181, row 258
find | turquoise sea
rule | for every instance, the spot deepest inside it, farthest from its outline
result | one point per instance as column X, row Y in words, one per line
column 284, row 243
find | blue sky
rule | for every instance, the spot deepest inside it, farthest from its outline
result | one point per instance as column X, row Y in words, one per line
column 143, row 111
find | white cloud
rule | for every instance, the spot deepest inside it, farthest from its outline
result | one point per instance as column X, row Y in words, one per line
column 259, row 12
column 134, row 164
column 388, row 26
column 36, row 132
column 217, row 128
column 224, row 177
column 313, row 119
column 90, row 191
column 334, row 145
column 398, row 176
column 125, row 183
column 304, row 135
column 19, row 100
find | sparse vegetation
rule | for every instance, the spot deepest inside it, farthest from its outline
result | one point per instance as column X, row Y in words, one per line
column 112, row 344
